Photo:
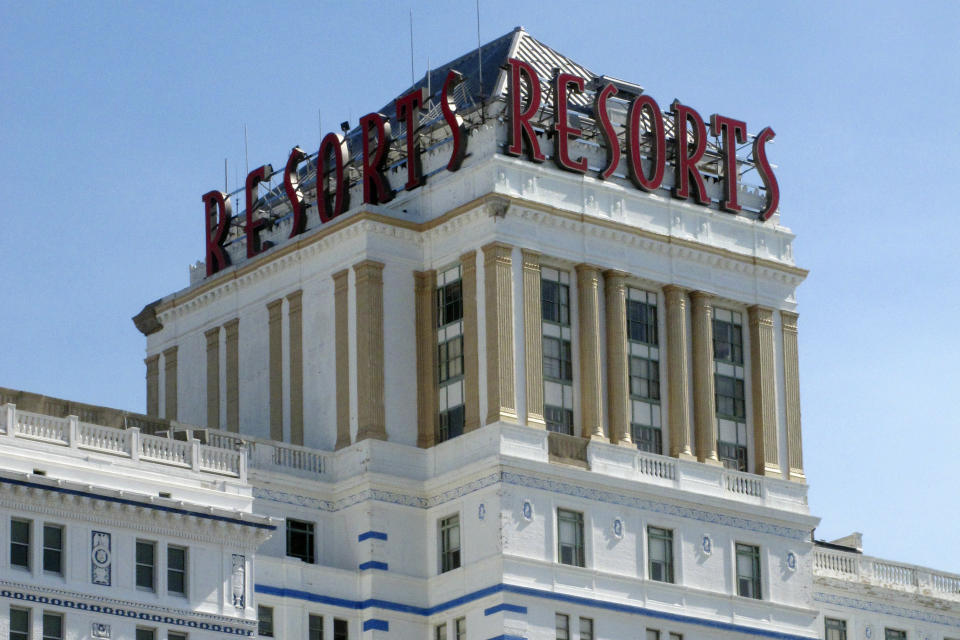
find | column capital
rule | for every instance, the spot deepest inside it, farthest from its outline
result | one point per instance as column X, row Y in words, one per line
column 702, row 297
column 295, row 299
column 531, row 259
column 588, row 269
column 498, row 251
column 340, row 280
column 151, row 360
column 170, row 353
column 369, row 269
column 274, row 306
column 760, row 315
column 211, row 333
column 468, row 260
column 789, row 320
column 424, row 280
column 231, row 326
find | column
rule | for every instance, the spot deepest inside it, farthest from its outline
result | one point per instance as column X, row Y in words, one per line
column 275, row 359
column 591, row 391
column 231, row 333
column 342, row 344
column 370, row 410
column 425, row 286
column 153, row 385
column 533, row 339
column 498, row 285
column 791, row 377
column 678, row 385
column 471, row 354
column 170, row 383
column 762, row 378
column 213, row 377
column 704, row 400
column 618, row 383
column 295, row 324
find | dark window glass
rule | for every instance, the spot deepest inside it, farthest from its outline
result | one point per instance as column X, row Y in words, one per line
column 835, row 629
column 449, row 543
column 586, row 628
column 315, row 628
column 450, row 424
column 19, row 624
column 748, row 571
column 460, row 628
column 340, row 630
column 727, row 342
column 563, row 626
column 647, row 438
column 732, row 455
column 20, row 543
column 440, row 631
column 557, row 360
column 176, row 570
column 146, row 634
column 555, row 302
column 300, row 540
column 53, row 548
column 729, row 396
column 570, row 537
column 653, row 634
column 265, row 621
column 894, row 634
column 449, row 303
column 176, row 636
column 558, row 419
column 52, row 626
column 146, row 563
column 642, row 322
column 450, row 359
column 660, row 552
column 644, row 378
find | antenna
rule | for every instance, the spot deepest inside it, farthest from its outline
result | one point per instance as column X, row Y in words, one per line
column 246, row 151
column 429, row 87
column 225, row 188
column 320, row 124
column 479, row 51
column 412, row 81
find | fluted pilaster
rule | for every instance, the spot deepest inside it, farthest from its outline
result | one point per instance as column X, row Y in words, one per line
column 371, row 421
column 153, row 385
column 471, row 357
column 678, row 386
column 342, row 356
column 766, row 453
column 591, row 376
column 498, row 285
column 704, row 400
column 295, row 324
column 213, row 377
column 424, row 285
column 231, row 331
column 533, row 339
column 170, row 383
column 275, row 358
column 618, row 383
column 791, row 376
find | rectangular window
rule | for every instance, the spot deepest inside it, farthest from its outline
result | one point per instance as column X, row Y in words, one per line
column 315, row 628
column 450, row 362
column 729, row 388
column 450, row 424
column 19, row 624
column 660, row 551
column 653, row 634
column 835, row 629
column 146, row 634
column 563, row 626
column 558, row 419
column 748, row 571
column 440, row 631
column 449, row 543
column 894, row 634
column 642, row 317
column 340, row 630
column 176, row 570
column 644, row 370
column 449, row 297
column 53, row 548
column 52, row 626
column 557, row 360
column 20, row 543
column 570, row 537
column 300, row 540
column 586, row 628
column 264, row 621
column 171, row 635
column 555, row 298
column 557, row 350
column 676, row 636
column 450, row 358
column 146, row 564
column 460, row 628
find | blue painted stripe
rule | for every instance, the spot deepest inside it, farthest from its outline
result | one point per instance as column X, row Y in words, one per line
column 373, row 564
column 503, row 606
column 506, row 636
column 137, row 503
column 376, row 625
column 525, row 591
column 368, row 535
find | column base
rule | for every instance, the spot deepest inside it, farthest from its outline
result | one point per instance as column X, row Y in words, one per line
column 536, row 422
column 370, row 434
column 626, row 443
column 599, row 437
column 713, row 462
column 772, row 471
column 797, row 475
column 683, row 455
column 504, row 415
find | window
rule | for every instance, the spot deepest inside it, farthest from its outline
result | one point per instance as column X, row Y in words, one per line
column 340, row 630
column 176, row 570
column 570, row 537
column 20, row 543
column 557, row 351
column 557, row 361
column 53, row 548
column 586, row 628
column 449, row 355
column 563, row 626
column 146, row 563
column 729, row 391
column 644, row 362
column 676, row 636
column 315, row 628
column 894, row 634
column 440, row 631
column 748, row 571
column 52, row 626
column 19, row 624
column 146, row 634
column 171, row 635
column 300, row 540
column 555, row 297
column 264, row 621
column 558, row 419
column 449, row 297
column 460, row 629
column 660, row 552
column 835, row 629
column 451, row 359
column 450, row 424
column 449, row 543
column 653, row 634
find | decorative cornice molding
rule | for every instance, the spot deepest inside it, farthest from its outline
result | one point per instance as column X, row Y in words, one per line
column 888, row 609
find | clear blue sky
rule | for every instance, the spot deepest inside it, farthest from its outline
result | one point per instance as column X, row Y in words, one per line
column 116, row 117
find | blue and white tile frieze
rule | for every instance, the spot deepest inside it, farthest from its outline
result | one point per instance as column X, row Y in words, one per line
column 879, row 607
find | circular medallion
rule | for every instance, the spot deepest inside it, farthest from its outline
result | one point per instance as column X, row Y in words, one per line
column 618, row 528
column 706, row 545
column 527, row 510
column 791, row 561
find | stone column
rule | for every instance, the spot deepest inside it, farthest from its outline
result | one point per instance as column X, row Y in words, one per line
column 618, row 383
column 342, row 350
column 275, row 360
column 791, row 376
column 678, row 386
column 425, row 287
column 231, row 333
column 295, row 320
column 371, row 422
column 153, row 385
column 762, row 377
column 498, row 285
column 704, row 400
column 591, row 376
column 471, row 354
column 170, row 383
column 213, row 377
column 533, row 339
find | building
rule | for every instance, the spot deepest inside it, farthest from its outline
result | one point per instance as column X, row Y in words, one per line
column 487, row 396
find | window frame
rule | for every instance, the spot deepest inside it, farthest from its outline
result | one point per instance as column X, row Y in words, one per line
column 440, row 631
column 177, row 635
column 153, row 566
column 174, row 570
column 309, row 532
column 311, row 619
column 451, row 558
column 23, row 634
column 460, row 628
column 50, row 635
column 565, row 629
column 27, row 546
column 265, row 626
column 579, row 551
column 752, row 552
column 151, row 630
column 839, row 626
column 587, row 634
column 664, row 536
column 890, row 633
column 341, row 629
column 59, row 553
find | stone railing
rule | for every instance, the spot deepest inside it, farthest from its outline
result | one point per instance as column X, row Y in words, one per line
column 271, row 455
column 128, row 443
column 854, row 567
